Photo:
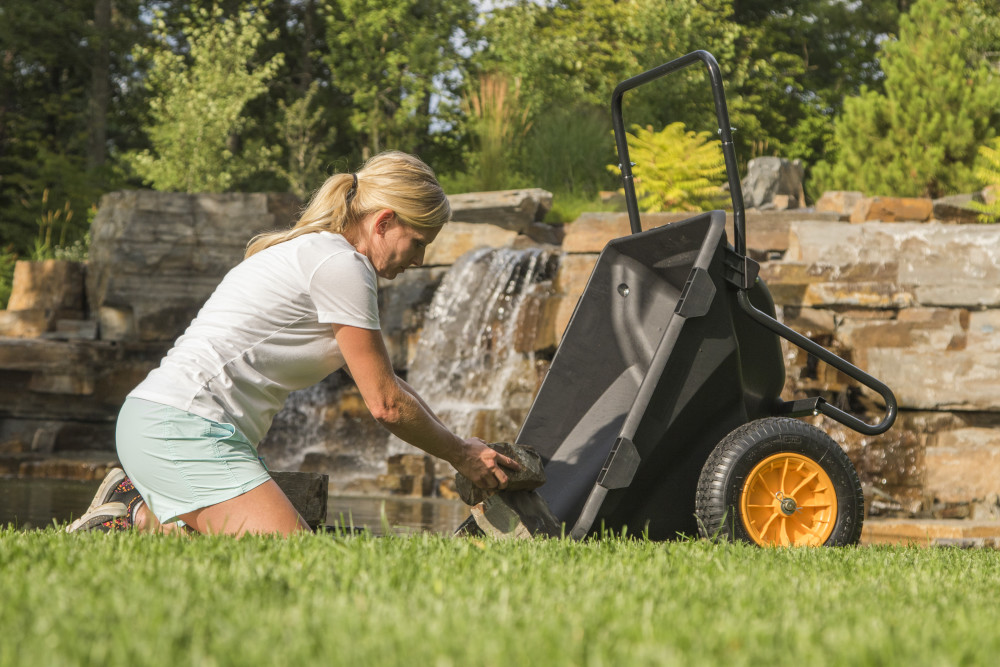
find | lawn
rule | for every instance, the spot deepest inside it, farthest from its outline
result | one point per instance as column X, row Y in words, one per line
column 431, row 600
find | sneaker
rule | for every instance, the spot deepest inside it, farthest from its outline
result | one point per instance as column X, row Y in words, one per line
column 103, row 518
column 117, row 488
column 107, row 488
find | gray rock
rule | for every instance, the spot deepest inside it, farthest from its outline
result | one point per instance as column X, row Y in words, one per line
column 770, row 176
column 157, row 256
column 530, row 476
column 955, row 208
column 516, row 514
column 514, row 210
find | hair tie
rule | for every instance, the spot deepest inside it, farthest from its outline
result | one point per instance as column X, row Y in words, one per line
column 354, row 189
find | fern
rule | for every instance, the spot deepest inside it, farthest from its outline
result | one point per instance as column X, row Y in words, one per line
column 676, row 170
column 988, row 171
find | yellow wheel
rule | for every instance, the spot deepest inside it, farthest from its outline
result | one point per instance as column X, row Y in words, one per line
column 782, row 482
column 789, row 500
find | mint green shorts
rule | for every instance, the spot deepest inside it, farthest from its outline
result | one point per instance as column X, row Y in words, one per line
column 181, row 462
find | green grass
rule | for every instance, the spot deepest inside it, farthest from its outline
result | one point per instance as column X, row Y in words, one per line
column 429, row 600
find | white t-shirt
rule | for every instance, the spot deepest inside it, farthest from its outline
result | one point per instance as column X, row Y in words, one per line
column 266, row 331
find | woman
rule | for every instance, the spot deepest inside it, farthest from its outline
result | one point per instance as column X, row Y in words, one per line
column 301, row 305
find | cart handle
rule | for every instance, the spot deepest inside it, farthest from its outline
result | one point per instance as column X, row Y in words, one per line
column 725, row 133
column 814, row 405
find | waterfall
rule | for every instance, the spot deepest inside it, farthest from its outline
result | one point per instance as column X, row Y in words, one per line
column 469, row 364
column 473, row 365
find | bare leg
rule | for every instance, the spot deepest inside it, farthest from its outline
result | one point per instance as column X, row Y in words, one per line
column 264, row 509
column 146, row 522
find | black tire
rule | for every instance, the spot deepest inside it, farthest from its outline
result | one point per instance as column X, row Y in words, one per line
column 735, row 466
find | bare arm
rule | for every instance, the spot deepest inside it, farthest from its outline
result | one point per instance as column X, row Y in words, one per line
column 397, row 407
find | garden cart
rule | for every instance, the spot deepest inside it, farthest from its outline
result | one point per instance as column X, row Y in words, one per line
column 661, row 411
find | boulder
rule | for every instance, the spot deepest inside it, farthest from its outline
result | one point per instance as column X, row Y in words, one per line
column 955, row 208
column 768, row 177
column 457, row 238
column 591, row 231
column 157, row 256
column 514, row 210
column 892, row 209
column 841, row 202
column 42, row 294
column 963, row 465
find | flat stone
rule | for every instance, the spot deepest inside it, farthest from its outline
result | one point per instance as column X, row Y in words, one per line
column 73, row 329
column 956, row 209
column 48, row 285
column 984, row 330
column 892, row 209
column 157, row 256
column 457, row 238
column 410, row 464
column 810, row 322
column 963, row 465
column 514, row 210
column 308, row 492
column 25, row 323
column 927, row 532
column 530, row 476
column 841, row 202
column 938, row 379
column 917, row 328
column 939, row 265
column 591, row 231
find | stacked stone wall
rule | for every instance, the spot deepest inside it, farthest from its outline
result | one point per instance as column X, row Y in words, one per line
column 914, row 303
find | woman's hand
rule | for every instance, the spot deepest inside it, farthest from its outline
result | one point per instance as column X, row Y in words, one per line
column 483, row 466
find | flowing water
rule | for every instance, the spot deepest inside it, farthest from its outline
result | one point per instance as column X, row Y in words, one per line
column 471, row 364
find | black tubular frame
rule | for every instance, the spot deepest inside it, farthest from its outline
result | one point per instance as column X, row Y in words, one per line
column 746, row 276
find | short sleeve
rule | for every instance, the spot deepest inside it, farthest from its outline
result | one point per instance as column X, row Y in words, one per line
column 344, row 289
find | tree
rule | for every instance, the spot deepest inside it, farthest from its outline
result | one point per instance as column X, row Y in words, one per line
column 570, row 56
column 57, row 116
column 392, row 60
column 988, row 172
column 197, row 103
column 920, row 137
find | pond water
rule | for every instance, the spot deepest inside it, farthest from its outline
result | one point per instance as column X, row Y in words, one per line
column 36, row 503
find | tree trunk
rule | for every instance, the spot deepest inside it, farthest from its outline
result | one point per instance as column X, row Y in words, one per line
column 100, row 85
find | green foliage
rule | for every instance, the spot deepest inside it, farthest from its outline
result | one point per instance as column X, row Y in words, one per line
column 48, row 112
column 676, row 170
column 390, row 59
column 436, row 600
column 7, row 260
column 566, row 150
column 197, row 103
column 988, row 173
column 303, row 130
column 497, row 122
column 921, row 136
column 571, row 55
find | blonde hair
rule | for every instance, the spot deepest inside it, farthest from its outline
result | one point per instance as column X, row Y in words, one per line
column 390, row 180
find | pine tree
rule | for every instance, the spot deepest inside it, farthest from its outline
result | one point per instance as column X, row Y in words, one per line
column 920, row 137
column 988, row 171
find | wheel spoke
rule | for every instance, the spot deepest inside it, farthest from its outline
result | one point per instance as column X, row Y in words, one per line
column 808, row 479
column 796, row 477
column 783, row 532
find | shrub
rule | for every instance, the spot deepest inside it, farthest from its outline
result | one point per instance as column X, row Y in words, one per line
column 676, row 170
